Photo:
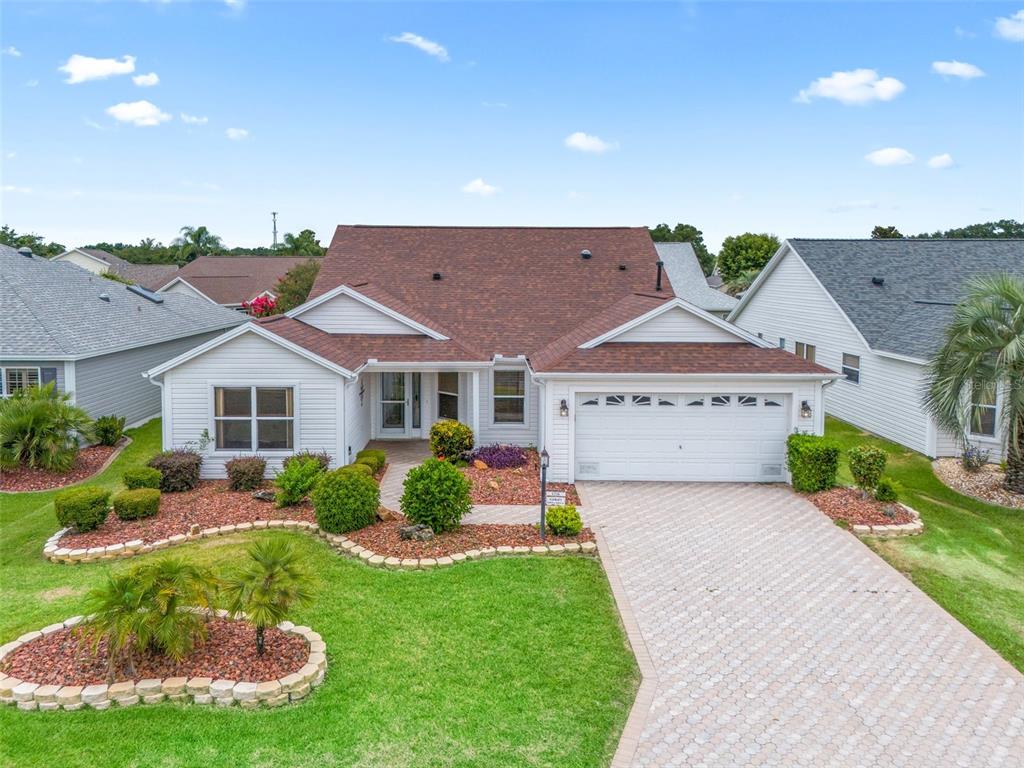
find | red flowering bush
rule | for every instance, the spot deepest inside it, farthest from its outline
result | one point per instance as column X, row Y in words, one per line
column 261, row 306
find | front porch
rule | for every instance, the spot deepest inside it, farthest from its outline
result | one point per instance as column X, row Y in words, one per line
column 405, row 404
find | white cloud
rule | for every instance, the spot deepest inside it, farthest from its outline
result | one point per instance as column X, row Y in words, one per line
column 10, row 188
column 429, row 47
column 480, row 188
column 146, row 81
column 1011, row 28
column 237, row 134
column 10, row 155
column 139, row 113
column 945, row 160
column 93, row 124
column 966, row 33
column 858, row 86
column 82, row 68
column 957, row 69
column 10, row 50
column 584, row 142
column 889, row 156
column 194, row 119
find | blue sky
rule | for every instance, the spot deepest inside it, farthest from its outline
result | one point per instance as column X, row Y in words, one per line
column 729, row 116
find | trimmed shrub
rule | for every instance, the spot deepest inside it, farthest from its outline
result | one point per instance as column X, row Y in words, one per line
column 180, row 469
column 295, row 481
column 245, row 473
column 360, row 467
column 437, row 495
column 449, row 439
column 867, row 463
column 136, row 504
column 142, row 477
column 563, row 520
column 84, row 508
column 108, row 429
column 323, row 458
column 887, row 490
column 813, row 462
column 345, row 501
column 501, row 456
column 376, row 459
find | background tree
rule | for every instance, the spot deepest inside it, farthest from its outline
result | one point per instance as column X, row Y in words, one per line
column 302, row 244
column 741, row 282
column 741, row 253
column 686, row 233
column 885, row 233
column 197, row 241
column 984, row 351
column 1004, row 228
column 293, row 289
column 38, row 244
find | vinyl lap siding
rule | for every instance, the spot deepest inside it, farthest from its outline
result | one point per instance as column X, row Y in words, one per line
column 343, row 314
column 512, row 434
column 676, row 325
column 357, row 414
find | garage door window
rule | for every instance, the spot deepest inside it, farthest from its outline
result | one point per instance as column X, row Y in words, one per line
column 718, row 401
column 615, row 400
column 772, row 403
column 697, row 402
column 747, row 401
column 665, row 402
column 590, row 402
column 641, row 399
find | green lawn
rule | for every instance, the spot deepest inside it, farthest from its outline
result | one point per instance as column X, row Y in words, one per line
column 970, row 558
column 508, row 662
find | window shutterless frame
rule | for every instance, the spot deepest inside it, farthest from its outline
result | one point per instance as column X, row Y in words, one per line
column 851, row 367
column 983, row 411
column 254, row 418
column 508, row 390
column 16, row 377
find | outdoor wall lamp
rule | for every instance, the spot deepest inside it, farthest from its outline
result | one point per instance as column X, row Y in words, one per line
column 563, row 409
column 805, row 410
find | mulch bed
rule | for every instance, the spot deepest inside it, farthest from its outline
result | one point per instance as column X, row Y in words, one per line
column 514, row 486
column 849, row 504
column 384, row 539
column 229, row 652
column 985, row 484
column 208, row 505
column 88, row 463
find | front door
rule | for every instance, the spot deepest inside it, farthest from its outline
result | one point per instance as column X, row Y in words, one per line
column 399, row 404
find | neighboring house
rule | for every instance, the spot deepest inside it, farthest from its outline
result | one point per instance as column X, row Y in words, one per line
column 93, row 336
column 569, row 339
column 231, row 281
column 150, row 276
column 876, row 310
column 688, row 278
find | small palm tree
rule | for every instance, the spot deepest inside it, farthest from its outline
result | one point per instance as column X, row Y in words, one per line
column 115, row 609
column 268, row 586
column 172, row 591
column 197, row 241
column 302, row 244
column 40, row 427
column 984, row 351
column 741, row 282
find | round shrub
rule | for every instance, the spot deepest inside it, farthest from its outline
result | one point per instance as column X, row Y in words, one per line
column 887, row 491
column 867, row 463
column 360, row 467
column 450, row 439
column 108, row 429
column 136, row 504
column 323, row 458
column 296, row 480
column 563, row 520
column 813, row 462
column 245, row 473
column 437, row 495
column 83, row 508
column 180, row 469
column 142, row 477
column 345, row 501
column 375, row 458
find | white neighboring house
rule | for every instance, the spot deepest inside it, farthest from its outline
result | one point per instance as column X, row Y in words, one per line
column 100, row 262
column 876, row 310
column 569, row 339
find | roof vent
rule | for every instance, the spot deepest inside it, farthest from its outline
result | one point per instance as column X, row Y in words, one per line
column 437, row 275
column 661, row 266
column 585, row 254
column 622, row 267
column 105, row 297
column 877, row 280
column 25, row 251
column 156, row 298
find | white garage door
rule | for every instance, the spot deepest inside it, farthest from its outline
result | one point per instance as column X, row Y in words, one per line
column 650, row 436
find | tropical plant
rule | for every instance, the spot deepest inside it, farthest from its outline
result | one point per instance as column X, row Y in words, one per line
column 108, row 429
column 302, row 244
column 175, row 595
column 197, row 241
column 115, row 616
column 40, row 428
column 293, row 289
column 436, row 494
column 346, row 500
column 984, row 352
column 270, row 584
column 741, row 282
column 295, row 481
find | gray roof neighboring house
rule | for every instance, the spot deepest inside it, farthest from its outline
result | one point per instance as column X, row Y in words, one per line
column 688, row 278
column 54, row 310
column 150, row 276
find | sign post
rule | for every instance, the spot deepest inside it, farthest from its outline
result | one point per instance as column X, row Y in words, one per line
column 544, row 461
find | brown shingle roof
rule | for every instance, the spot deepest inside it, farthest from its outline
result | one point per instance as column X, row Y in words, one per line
column 151, row 276
column 235, row 279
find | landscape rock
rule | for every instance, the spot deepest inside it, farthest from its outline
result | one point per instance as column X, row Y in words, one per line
column 264, row 495
column 418, row 532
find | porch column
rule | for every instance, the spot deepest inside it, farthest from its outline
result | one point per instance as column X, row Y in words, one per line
column 474, row 407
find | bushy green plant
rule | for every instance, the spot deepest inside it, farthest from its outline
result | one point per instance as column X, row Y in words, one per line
column 345, row 501
column 245, row 473
column 136, row 504
column 179, row 469
column 887, row 490
column 142, row 477
column 436, row 494
column 108, row 429
column 563, row 520
column 374, row 457
column 295, row 481
column 449, row 439
column 171, row 589
column 268, row 585
column 360, row 467
column 115, row 610
column 322, row 457
column 867, row 463
column 83, row 508
column 40, row 428
column 813, row 462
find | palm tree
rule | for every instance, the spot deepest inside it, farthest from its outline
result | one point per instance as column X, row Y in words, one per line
column 742, row 281
column 984, row 352
column 268, row 586
column 172, row 591
column 302, row 244
column 116, row 617
column 41, row 428
column 197, row 241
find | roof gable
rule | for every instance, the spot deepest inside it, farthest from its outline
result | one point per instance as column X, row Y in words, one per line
column 675, row 321
column 347, row 309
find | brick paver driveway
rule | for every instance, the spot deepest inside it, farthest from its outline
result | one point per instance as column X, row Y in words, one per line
column 775, row 638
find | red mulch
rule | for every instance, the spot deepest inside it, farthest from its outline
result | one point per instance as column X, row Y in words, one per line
column 209, row 505
column 515, row 486
column 87, row 463
column 850, row 505
column 229, row 652
column 384, row 539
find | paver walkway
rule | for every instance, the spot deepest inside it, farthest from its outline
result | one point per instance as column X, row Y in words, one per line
column 768, row 636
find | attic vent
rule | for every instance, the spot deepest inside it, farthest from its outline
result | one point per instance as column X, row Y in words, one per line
column 105, row 297
column 437, row 276
column 25, row 251
column 156, row 298
column 877, row 280
column 585, row 254
column 622, row 267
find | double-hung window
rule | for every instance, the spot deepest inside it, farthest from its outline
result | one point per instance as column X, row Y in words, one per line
column 254, row 418
column 16, row 379
column 448, row 395
column 806, row 351
column 509, row 396
column 983, row 409
column 851, row 367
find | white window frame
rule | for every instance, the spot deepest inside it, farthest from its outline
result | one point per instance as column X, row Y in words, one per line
column 524, row 397
column 971, row 405
column 457, row 394
column 843, row 366
column 3, row 376
column 254, row 436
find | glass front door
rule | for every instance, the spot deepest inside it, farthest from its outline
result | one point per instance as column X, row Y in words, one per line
column 393, row 404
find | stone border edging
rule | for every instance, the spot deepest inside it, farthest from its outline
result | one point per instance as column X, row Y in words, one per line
column 892, row 531
column 124, row 443
column 339, row 542
column 195, row 690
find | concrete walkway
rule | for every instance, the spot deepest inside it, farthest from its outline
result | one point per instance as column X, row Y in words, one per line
column 768, row 636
